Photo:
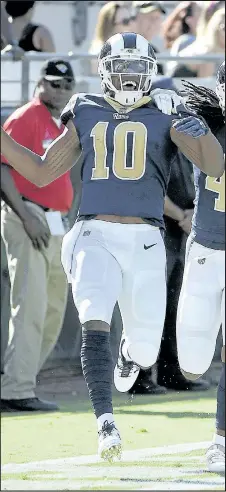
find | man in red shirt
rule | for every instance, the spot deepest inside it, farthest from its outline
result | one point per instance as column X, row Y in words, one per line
column 33, row 224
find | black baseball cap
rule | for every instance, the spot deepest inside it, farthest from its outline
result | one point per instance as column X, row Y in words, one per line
column 145, row 6
column 57, row 69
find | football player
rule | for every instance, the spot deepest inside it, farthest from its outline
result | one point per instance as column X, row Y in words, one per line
column 115, row 250
column 201, row 309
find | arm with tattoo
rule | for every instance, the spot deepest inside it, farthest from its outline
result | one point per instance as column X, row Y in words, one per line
column 59, row 158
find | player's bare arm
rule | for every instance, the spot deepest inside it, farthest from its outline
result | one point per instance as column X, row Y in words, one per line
column 60, row 157
column 203, row 150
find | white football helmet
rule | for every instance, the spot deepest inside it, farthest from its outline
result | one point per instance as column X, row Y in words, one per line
column 127, row 64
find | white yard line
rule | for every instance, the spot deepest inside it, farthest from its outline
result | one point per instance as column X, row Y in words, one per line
column 69, row 474
column 137, row 455
column 70, row 485
column 126, row 474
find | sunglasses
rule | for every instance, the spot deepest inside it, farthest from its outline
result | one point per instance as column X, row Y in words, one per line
column 66, row 84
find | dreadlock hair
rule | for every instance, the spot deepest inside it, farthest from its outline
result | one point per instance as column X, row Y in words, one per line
column 205, row 103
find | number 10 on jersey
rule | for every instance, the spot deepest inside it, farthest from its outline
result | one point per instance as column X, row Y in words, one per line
column 119, row 162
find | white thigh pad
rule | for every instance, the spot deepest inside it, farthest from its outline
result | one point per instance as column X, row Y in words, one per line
column 96, row 280
column 148, row 297
column 199, row 311
column 143, row 303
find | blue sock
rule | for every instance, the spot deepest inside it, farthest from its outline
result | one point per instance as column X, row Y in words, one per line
column 97, row 366
column 220, row 416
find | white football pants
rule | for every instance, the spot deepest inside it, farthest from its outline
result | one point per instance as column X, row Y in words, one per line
column 201, row 307
column 108, row 262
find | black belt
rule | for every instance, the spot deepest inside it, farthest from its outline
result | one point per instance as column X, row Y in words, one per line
column 46, row 209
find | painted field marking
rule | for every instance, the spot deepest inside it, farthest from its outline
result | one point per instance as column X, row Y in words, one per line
column 137, row 455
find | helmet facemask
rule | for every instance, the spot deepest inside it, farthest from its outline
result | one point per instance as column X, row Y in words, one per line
column 128, row 76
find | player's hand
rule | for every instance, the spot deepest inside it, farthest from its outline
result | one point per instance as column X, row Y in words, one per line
column 166, row 100
column 185, row 224
column 14, row 50
column 191, row 126
column 37, row 230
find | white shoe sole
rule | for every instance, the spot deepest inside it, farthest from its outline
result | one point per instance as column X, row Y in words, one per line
column 110, row 450
column 125, row 384
column 216, row 467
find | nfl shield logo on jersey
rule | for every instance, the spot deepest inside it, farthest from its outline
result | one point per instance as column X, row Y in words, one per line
column 201, row 261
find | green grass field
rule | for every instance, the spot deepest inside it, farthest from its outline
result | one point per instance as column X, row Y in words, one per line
column 144, row 422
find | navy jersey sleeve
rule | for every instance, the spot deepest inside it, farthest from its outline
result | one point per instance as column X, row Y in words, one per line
column 68, row 112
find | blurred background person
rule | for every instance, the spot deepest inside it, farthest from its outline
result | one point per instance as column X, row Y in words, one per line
column 208, row 10
column 148, row 22
column 179, row 28
column 31, row 37
column 149, row 18
column 143, row 18
column 112, row 18
column 209, row 40
column 33, row 222
column 7, row 37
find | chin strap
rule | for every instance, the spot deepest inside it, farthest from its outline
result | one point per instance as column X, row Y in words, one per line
column 128, row 98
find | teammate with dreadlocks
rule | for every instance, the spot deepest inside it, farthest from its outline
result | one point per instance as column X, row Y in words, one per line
column 202, row 300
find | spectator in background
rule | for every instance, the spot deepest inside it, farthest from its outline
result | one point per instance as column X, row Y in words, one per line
column 208, row 10
column 32, row 37
column 38, row 282
column 143, row 18
column 179, row 28
column 113, row 17
column 7, row 38
column 209, row 40
column 149, row 18
column 148, row 22
column 179, row 31
column 212, row 41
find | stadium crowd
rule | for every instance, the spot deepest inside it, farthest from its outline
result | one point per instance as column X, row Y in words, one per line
column 34, row 220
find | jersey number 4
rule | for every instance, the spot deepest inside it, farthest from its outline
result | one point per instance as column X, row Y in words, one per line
column 119, row 165
column 217, row 185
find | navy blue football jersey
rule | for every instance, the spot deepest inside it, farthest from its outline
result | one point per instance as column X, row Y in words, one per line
column 208, row 224
column 127, row 156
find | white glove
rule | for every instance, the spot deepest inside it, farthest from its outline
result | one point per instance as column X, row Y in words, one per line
column 166, row 100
